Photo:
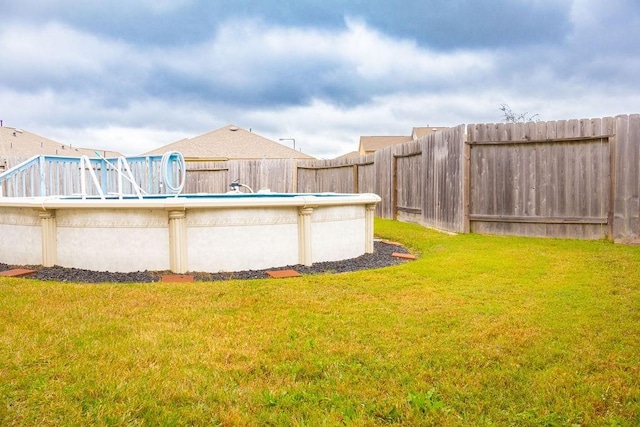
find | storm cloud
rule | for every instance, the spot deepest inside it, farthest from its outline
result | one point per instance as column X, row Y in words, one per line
column 132, row 76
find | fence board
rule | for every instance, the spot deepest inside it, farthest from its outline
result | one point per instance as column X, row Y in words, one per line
column 627, row 179
column 384, row 180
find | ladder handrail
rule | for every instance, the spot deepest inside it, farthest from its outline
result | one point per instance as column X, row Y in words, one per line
column 85, row 159
column 123, row 164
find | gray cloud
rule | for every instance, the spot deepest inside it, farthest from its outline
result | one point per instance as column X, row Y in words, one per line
column 441, row 25
column 138, row 75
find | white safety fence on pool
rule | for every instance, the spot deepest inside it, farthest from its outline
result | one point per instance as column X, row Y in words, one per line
column 66, row 176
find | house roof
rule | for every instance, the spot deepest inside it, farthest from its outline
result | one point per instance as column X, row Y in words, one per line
column 370, row 144
column 21, row 143
column 231, row 142
column 349, row 155
column 428, row 130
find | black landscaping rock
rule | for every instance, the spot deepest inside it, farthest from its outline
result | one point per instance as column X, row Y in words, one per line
column 380, row 258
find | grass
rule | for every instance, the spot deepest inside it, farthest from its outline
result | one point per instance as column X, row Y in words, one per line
column 478, row 331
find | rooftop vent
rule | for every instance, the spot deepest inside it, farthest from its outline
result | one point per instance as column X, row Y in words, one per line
column 233, row 128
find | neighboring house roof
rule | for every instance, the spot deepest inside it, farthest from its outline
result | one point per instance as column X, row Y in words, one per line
column 20, row 143
column 231, row 142
column 423, row 131
column 349, row 155
column 370, row 144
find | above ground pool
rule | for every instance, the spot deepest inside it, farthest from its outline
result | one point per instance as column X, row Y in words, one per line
column 189, row 232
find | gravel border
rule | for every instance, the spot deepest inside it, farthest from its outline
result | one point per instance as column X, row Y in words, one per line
column 381, row 257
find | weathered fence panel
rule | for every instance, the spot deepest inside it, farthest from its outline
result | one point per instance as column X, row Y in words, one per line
column 275, row 175
column 408, row 183
column 321, row 176
column 207, row 177
column 423, row 181
column 541, row 179
column 443, row 166
column 366, row 174
column 8, row 162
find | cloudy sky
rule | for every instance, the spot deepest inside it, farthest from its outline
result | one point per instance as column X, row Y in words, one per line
column 133, row 75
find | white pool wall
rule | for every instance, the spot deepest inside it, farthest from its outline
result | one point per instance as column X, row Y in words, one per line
column 20, row 236
column 268, row 235
column 186, row 234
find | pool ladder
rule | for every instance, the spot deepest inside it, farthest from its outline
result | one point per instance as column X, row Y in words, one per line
column 123, row 165
column 167, row 168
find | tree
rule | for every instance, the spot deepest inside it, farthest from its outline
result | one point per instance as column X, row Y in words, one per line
column 509, row 116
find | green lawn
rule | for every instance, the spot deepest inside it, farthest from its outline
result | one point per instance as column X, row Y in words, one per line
column 478, row 331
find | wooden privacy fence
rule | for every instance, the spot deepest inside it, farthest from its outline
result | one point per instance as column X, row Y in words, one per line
column 216, row 176
column 283, row 175
column 566, row 178
column 422, row 181
column 418, row 181
column 342, row 176
column 569, row 178
column 541, row 179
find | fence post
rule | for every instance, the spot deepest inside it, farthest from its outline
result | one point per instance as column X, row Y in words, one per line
column 612, row 186
column 466, row 191
column 394, row 187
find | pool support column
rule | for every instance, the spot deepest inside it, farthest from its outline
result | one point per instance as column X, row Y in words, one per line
column 49, row 238
column 368, row 219
column 305, row 256
column 178, row 241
